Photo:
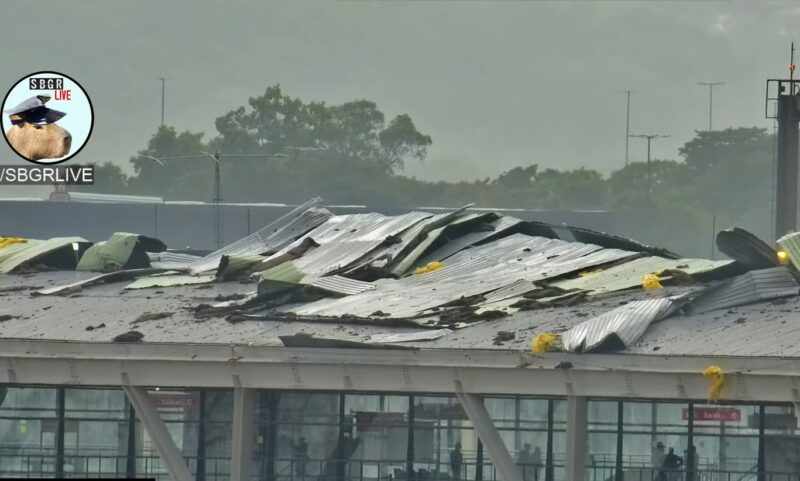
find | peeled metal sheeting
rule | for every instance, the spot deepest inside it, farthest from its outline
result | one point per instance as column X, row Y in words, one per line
column 171, row 260
column 426, row 335
column 169, row 280
column 747, row 249
column 339, row 285
column 343, row 240
column 270, row 238
column 106, row 278
column 472, row 272
column 123, row 250
column 611, row 241
column 55, row 252
column 754, row 286
column 629, row 274
column 618, row 328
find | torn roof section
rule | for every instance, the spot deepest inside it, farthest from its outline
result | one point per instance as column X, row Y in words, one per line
column 463, row 274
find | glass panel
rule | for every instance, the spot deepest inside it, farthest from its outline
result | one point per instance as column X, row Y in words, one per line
column 781, row 441
column 95, row 433
column 308, row 443
column 378, row 425
column 180, row 411
column 559, row 439
column 218, row 415
column 445, row 446
column 27, row 432
column 726, row 440
column 602, row 438
column 650, row 430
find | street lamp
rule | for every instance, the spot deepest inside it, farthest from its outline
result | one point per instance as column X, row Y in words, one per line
column 649, row 138
column 710, row 86
column 217, row 158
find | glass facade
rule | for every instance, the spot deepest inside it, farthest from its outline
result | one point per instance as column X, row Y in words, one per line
column 337, row 436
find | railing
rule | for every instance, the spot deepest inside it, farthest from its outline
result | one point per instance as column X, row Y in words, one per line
column 102, row 465
column 218, row 469
column 636, row 473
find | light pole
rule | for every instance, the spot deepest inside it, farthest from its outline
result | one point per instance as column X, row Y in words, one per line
column 627, row 123
column 163, row 99
column 217, row 158
column 649, row 138
column 710, row 86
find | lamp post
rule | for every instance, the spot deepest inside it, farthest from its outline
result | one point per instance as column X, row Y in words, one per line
column 710, row 86
column 217, row 158
column 649, row 138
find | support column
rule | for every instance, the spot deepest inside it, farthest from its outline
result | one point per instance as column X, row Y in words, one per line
column 786, row 205
column 157, row 430
column 244, row 433
column 476, row 411
column 577, row 415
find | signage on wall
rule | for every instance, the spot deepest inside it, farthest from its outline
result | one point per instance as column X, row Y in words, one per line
column 706, row 414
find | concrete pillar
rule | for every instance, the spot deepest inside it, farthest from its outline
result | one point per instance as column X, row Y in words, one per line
column 244, row 433
column 487, row 432
column 577, row 417
column 170, row 454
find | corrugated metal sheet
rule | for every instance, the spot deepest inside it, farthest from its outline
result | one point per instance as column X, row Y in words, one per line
column 386, row 256
column 426, row 335
column 171, row 260
column 303, row 340
column 270, row 238
column 345, row 239
column 17, row 256
column 630, row 274
column 494, row 228
column 617, row 328
column 170, row 280
column 611, row 241
column 117, row 276
column 471, row 272
column 747, row 249
column 113, row 198
column 339, row 285
column 753, row 286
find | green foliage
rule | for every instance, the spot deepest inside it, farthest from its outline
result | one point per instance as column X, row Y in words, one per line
column 280, row 148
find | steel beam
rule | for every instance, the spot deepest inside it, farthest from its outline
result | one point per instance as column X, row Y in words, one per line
column 577, row 417
column 409, row 371
column 244, row 433
column 477, row 413
column 157, row 430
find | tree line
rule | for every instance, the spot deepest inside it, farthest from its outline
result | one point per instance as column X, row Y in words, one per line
column 282, row 148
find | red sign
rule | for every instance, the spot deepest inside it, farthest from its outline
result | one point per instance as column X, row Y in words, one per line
column 172, row 400
column 714, row 414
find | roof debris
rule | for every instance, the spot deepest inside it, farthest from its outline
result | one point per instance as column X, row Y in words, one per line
column 511, row 280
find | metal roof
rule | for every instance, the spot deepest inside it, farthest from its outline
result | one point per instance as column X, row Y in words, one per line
column 269, row 239
column 497, row 275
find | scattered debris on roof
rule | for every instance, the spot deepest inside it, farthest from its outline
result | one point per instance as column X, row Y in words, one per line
column 121, row 252
column 58, row 253
column 412, row 278
column 617, row 328
column 751, row 287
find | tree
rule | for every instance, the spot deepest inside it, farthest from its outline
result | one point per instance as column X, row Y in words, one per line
column 401, row 140
column 668, row 180
column 108, row 178
column 188, row 177
column 737, row 146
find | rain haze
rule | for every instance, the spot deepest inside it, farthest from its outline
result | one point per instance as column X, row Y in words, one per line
column 495, row 84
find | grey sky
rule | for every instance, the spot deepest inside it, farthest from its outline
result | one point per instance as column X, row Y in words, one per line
column 496, row 84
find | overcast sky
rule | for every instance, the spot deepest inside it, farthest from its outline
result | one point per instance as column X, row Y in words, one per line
column 496, row 84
